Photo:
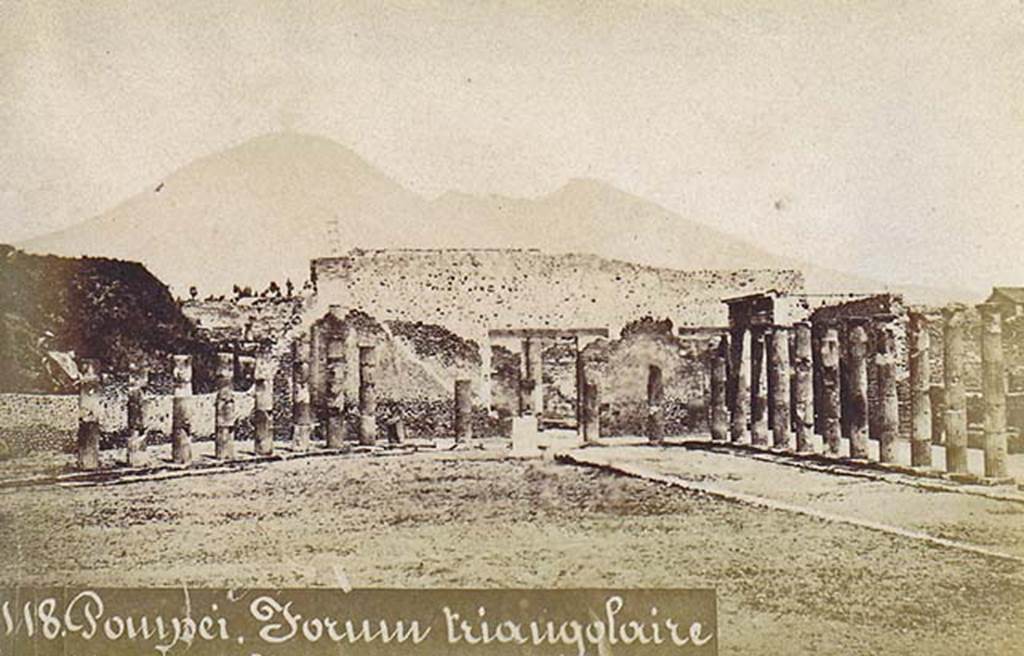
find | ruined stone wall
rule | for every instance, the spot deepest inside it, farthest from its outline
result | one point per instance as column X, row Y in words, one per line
column 471, row 291
column 226, row 320
column 39, row 422
column 622, row 367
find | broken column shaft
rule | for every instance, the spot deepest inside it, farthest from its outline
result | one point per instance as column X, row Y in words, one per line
column 719, row 415
column 463, row 423
column 920, row 387
column 993, row 389
column 367, row 394
column 90, row 407
column 183, row 409
column 224, row 432
column 302, row 411
column 778, row 371
column 655, row 400
column 803, row 363
column 263, row 407
column 956, row 395
column 136, row 442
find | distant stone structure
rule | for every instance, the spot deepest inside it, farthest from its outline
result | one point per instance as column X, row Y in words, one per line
column 473, row 291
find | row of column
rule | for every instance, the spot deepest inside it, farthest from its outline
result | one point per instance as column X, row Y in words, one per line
column 183, row 404
column 335, row 421
column 769, row 381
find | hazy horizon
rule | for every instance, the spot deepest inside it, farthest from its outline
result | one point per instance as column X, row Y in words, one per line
column 882, row 140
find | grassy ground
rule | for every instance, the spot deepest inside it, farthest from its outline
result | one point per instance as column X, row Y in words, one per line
column 786, row 584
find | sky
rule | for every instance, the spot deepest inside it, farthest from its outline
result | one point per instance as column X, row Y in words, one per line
column 879, row 138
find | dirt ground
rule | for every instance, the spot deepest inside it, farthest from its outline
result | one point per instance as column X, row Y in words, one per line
column 786, row 584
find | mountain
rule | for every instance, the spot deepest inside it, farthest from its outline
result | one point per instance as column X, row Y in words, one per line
column 248, row 215
column 261, row 210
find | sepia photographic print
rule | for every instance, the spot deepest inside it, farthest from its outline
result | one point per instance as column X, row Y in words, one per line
column 512, row 327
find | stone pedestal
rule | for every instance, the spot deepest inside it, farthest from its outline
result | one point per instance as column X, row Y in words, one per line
column 525, row 436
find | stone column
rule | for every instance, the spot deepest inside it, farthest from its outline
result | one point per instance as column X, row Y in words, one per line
column 533, row 358
column 778, row 370
column 845, row 418
column 136, row 444
column 367, row 394
column 590, row 414
column 888, row 399
column 816, row 379
column 874, row 389
column 738, row 431
column 719, row 412
column 937, row 400
column 655, row 401
column 224, row 435
column 918, row 343
column 831, row 402
column 335, row 400
column 183, row 409
column 591, row 409
column 525, row 394
column 956, row 395
column 302, row 412
column 993, row 380
column 318, row 368
column 463, row 423
column 758, row 387
column 263, row 410
column 803, row 363
column 90, row 408
column 857, row 405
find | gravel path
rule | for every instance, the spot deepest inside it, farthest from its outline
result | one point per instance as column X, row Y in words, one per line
column 786, row 584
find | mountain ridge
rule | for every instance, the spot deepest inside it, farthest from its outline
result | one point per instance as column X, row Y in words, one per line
column 261, row 210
